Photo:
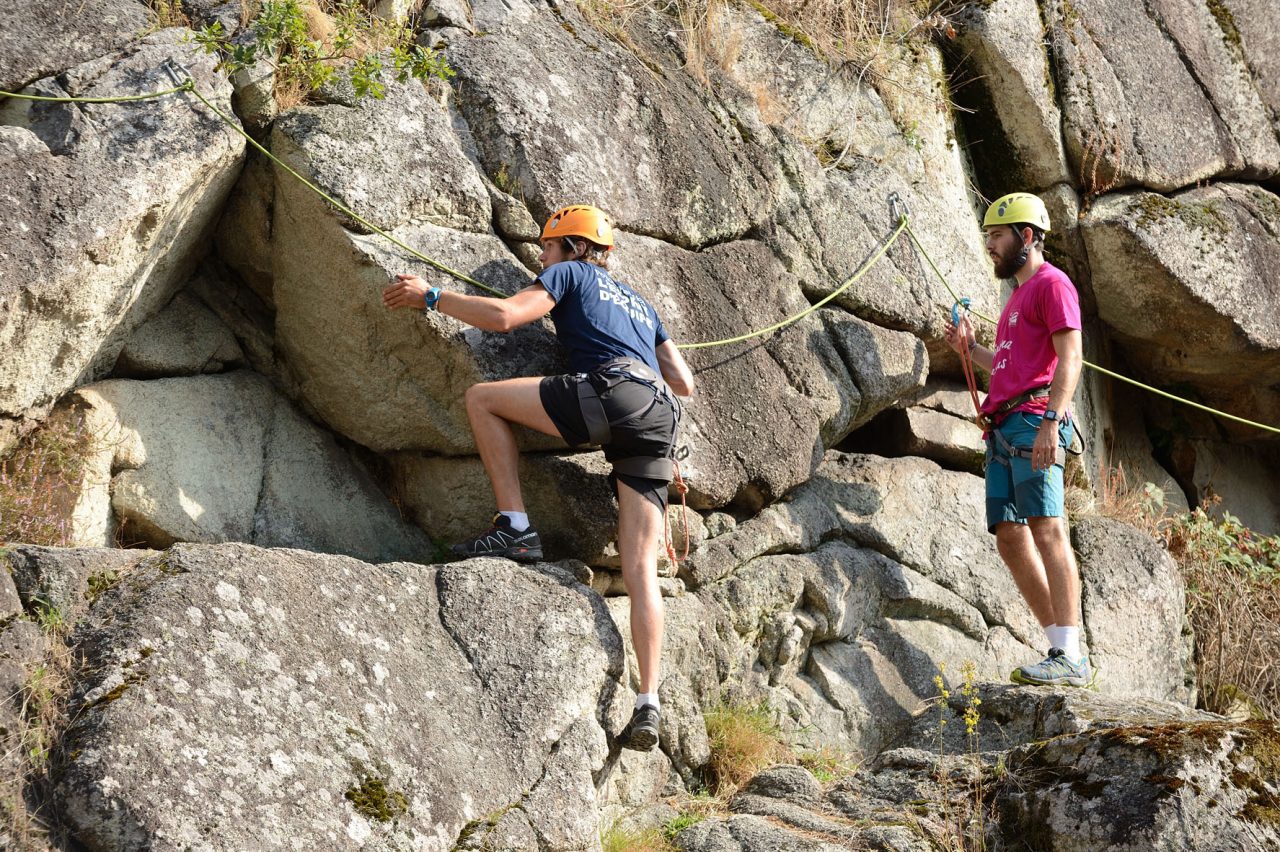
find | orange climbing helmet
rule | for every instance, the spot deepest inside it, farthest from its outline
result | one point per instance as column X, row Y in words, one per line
column 580, row 220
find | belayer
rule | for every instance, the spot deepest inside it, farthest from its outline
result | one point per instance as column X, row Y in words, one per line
column 622, row 394
column 1034, row 370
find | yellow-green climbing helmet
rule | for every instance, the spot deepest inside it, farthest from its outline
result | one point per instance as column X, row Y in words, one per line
column 1015, row 208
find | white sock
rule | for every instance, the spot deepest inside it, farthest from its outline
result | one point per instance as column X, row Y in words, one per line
column 1049, row 634
column 647, row 698
column 1068, row 639
column 519, row 520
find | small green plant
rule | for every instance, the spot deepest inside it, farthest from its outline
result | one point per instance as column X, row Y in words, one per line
column 621, row 839
column 309, row 41
column 827, row 765
column 99, row 584
column 49, row 616
column 681, row 821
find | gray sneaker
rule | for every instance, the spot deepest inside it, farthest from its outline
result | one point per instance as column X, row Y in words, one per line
column 641, row 733
column 1055, row 670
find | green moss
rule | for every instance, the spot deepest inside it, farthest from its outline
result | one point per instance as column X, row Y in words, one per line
column 783, row 27
column 373, row 800
column 1226, row 23
column 1259, row 772
column 131, row 679
column 485, row 823
column 1153, row 209
column 99, row 584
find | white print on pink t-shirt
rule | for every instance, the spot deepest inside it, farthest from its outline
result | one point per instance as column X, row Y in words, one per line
column 1044, row 304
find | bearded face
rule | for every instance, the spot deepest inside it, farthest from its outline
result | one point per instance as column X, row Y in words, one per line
column 1004, row 246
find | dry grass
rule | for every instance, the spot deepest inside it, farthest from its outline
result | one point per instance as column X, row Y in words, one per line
column 167, row 13
column 619, row 839
column 1233, row 601
column 1141, row 506
column 745, row 739
column 1233, row 594
column 28, row 747
column 1101, row 164
column 41, row 480
column 856, row 32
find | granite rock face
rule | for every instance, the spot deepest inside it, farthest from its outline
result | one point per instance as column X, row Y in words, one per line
column 242, row 698
column 124, row 195
column 226, row 458
column 46, row 37
column 1049, row 769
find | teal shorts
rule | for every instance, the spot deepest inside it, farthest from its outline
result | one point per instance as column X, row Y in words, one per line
column 1015, row 492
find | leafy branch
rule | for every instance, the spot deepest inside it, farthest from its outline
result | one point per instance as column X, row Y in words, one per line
column 282, row 36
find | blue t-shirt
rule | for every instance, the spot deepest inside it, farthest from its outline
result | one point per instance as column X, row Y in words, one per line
column 599, row 319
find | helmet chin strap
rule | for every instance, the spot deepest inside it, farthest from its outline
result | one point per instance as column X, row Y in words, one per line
column 1026, row 249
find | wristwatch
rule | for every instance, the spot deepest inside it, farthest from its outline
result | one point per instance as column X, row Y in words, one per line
column 1050, row 414
column 430, row 298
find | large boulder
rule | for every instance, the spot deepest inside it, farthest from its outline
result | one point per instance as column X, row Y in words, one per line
column 1002, row 45
column 1061, row 769
column 856, row 580
column 1244, row 478
column 122, row 197
column 1260, row 44
column 184, row 339
column 1134, row 604
column 226, row 458
column 1199, row 785
column 45, row 37
column 850, row 641
column 1187, row 284
column 1157, row 95
column 235, row 697
column 592, row 122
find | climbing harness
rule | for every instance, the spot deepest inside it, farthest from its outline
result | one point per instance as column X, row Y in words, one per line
column 600, row 426
column 1010, row 451
column 597, row 385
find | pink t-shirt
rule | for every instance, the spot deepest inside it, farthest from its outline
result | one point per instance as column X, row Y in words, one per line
column 1024, row 354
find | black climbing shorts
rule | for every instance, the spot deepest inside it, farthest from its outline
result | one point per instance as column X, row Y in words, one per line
column 650, row 435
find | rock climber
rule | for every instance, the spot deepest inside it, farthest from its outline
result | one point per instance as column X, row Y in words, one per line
column 622, row 394
column 1034, row 368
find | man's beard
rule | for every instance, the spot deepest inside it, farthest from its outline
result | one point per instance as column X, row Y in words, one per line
column 1008, row 264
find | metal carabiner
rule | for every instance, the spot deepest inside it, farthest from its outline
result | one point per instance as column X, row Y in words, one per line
column 898, row 209
column 955, row 310
column 179, row 75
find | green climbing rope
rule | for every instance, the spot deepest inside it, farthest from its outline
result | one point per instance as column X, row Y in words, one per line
column 187, row 86
column 884, row 247
column 1090, row 364
column 903, row 225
